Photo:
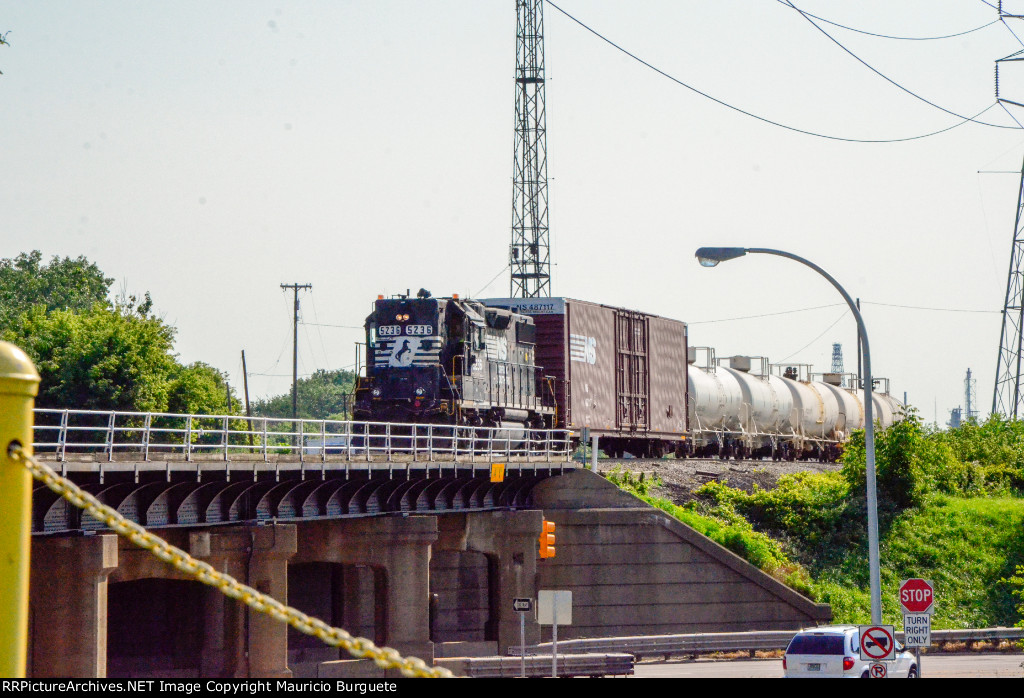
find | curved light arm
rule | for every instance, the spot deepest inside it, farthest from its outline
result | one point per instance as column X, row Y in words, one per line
column 711, row 256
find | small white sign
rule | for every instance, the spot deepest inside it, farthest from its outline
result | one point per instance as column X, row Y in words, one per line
column 522, row 605
column 554, row 607
column 917, row 630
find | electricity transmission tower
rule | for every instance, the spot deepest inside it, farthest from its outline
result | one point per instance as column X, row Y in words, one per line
column 1007, row 396
column 530, row 252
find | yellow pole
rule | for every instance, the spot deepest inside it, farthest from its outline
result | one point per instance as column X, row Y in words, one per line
column 19, row 384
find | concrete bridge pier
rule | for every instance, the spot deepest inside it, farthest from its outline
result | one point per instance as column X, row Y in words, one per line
column 238, row 641
column 397, row 549
column 509, row 541
column 68, row 605
column 95, row 597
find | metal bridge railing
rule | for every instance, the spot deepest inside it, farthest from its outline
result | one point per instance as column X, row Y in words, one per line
column 146, row 435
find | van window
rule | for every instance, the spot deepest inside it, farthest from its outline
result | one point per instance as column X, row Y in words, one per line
column 816, row 644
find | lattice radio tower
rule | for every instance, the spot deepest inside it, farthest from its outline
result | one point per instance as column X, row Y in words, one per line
column 970, row 398
column 837, row 357
column 530, row 252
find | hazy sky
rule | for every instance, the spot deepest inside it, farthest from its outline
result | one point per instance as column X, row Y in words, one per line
column 208, row 152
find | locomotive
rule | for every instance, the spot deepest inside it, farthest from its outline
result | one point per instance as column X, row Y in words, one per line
column 629, row 378
column 451, row 361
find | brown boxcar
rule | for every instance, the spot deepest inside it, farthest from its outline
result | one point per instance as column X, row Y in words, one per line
column 619, row 373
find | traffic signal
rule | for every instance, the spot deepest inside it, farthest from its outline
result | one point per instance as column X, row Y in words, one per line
column 547, row 539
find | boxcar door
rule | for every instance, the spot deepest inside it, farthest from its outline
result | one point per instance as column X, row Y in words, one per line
column 632, row 379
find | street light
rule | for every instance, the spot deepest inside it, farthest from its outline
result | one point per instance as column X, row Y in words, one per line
column 711, row 256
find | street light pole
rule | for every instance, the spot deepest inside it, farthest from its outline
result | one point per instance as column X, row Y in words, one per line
column 709, row 257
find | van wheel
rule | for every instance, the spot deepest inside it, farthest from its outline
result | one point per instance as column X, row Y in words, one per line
column 912, row 674
column 865, row 675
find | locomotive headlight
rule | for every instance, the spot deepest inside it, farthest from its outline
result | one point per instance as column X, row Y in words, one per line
column 419, row 391
column 376, row 392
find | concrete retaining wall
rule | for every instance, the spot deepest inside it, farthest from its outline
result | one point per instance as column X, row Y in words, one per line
column 634, row 570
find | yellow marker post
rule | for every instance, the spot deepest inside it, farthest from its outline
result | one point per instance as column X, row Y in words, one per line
column 497, row 472
column 19, row 384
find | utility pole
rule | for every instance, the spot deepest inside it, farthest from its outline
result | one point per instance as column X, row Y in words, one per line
column 530, row 252
column 860, row 365
column 245, row 384
column 295, row 347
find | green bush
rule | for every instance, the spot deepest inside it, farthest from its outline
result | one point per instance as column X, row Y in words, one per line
column 728, row 529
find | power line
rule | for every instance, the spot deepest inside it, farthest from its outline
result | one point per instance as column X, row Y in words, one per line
column 477, row 295
column 834, row 305
column 751, row 317
column 887, row 78
column 887, row 36
column 320, row 334
column 938, row 310
column 845, row 313
column 761, row 118
column 321, row 324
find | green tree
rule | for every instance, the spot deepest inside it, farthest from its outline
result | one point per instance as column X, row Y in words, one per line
column 92, row 353
column 910, row 462
column 103, row 359
column 63, row 284
column 324, row 395
column 200, row 389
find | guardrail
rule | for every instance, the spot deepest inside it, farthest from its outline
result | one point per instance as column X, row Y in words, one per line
column 694, row 645
column 146, row 435
column 601, row 664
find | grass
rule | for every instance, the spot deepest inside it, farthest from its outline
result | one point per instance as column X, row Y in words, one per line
column 967, row 547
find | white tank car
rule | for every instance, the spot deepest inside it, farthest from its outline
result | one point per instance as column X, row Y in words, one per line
column 851, row 411
column 715, row 401
column 744, row 410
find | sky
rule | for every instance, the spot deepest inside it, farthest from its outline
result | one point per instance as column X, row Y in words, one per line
column 208, row 152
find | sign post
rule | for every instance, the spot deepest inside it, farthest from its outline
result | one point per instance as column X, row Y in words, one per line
column 522, row 606
column 917, row 599
column 554, row 607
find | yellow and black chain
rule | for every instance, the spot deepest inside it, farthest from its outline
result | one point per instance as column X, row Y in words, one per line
column 384, row 657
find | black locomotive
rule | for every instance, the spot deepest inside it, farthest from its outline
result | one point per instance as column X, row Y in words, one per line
column 451, row 361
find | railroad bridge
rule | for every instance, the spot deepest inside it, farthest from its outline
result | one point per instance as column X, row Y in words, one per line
column 415, row 536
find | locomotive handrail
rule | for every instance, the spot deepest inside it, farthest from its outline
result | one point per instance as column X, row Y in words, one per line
column 143, row 435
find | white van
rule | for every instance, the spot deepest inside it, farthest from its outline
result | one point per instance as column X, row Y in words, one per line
column 833, row 651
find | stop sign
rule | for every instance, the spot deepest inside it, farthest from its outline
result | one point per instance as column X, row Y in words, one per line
column 916, row 596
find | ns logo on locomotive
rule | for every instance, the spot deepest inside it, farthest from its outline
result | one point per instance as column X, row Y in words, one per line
column 628, row 377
